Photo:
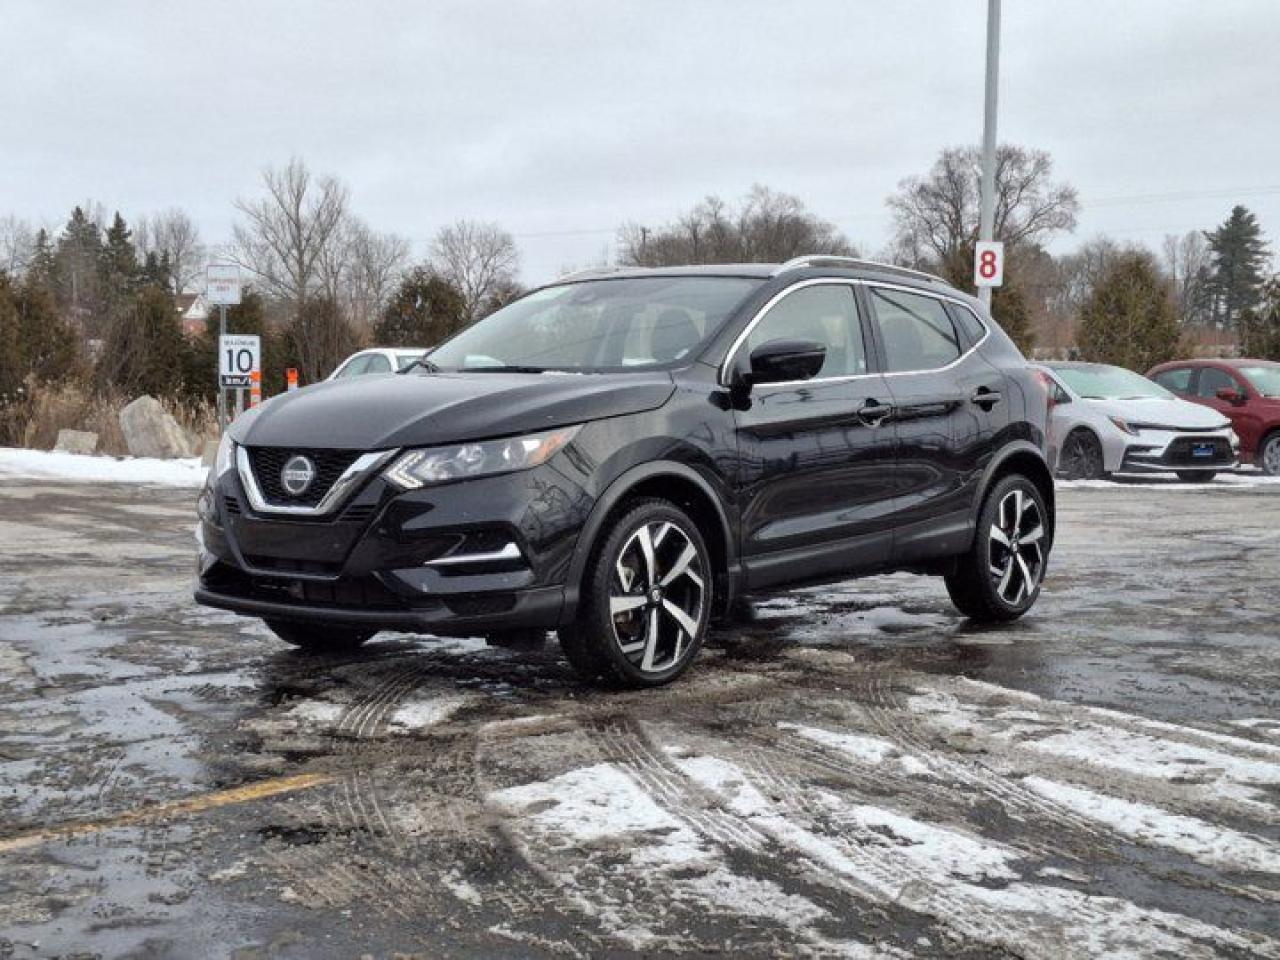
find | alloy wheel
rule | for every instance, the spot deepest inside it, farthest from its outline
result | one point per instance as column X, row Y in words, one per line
column 656, row 594
column 1271, row 457
column 1081, row 460
column 1017, row 547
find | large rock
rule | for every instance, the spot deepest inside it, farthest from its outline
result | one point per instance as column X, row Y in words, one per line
column 151, row 432
column 76, row 441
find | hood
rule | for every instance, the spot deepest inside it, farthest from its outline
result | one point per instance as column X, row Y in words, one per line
column 1170, row 412
column 419, row 410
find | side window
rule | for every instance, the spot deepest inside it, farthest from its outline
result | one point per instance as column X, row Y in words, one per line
column 1057, row 394
column 377, row 363
column 969, row 325
column 826, row 313
column 352, row 368
column 916, row 331
column 1179, row 380
column 1212, row 380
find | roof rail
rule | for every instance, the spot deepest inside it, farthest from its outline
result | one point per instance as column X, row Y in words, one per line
column 813, row 259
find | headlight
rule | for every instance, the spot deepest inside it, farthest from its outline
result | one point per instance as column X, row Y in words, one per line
column 1124, row 425
column 226, row 456
column 418, row 468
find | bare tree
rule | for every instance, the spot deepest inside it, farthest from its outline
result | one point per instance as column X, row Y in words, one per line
column 359, row 269
column 768, row 227
column 936, row 216
column 174, row 233
column 479, row 259
column 17, row 245
column 1189, row 263
column 287, row 233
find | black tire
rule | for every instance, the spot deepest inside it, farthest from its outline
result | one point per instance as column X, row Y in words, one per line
column 1081, row 457
column 602, row 644
column 975, row 588
column 1268, row 455
column 517, row 639
column 314, row 638
column 1196, row 476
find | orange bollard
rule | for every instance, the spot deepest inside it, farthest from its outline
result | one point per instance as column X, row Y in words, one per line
column 291, row 378
column 255, row 388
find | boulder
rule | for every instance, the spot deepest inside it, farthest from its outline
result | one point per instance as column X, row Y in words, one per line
column 151, row 432
column 76, row 441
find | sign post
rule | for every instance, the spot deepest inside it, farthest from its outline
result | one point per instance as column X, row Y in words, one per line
column 222, row 287
column 987, row 214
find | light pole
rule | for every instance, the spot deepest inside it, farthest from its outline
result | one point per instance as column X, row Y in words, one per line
column 986, row 222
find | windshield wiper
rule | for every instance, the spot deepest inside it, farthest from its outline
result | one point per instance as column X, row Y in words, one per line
column 422, row 362
column 503, row 368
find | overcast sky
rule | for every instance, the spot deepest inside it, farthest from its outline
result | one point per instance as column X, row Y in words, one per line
column 562, row 120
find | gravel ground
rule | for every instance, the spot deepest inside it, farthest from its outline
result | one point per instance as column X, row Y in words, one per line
column 853, row 771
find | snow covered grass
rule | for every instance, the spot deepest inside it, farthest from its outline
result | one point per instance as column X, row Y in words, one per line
column 16, row 462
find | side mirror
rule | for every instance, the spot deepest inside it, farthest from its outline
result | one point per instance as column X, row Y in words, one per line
column 1231, row 395
column 781, row 361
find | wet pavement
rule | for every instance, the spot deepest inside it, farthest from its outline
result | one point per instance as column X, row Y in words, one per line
column 852, row 772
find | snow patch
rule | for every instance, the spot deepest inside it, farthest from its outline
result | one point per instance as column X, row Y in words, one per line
column 1216, row 846
column 863, row 748
column 56, row 465
column 416, row 715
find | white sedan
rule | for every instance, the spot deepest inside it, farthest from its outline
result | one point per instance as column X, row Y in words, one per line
column 377, row 360
column 1107, row 420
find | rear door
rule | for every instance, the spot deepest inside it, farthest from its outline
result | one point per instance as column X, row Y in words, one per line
column 950, row 408
column 816, row 456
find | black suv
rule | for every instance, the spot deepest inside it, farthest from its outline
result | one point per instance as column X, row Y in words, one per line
column 618, row 455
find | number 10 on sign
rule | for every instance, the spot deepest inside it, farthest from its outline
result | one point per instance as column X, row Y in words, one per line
column 988, row 264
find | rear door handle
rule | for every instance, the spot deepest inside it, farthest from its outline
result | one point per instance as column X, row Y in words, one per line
column 985, row 397
column 873, row 412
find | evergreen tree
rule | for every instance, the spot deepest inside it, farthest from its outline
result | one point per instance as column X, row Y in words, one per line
column 119, row 262
column 424, row 310
column 44, row 265
column 48, row 343
column 77, row 273
column 1128, row 319
column 145, row 352
column 200, row 366
column 1260, row 326
column 12, row 361
column 1239, row 259
column 1009, row 308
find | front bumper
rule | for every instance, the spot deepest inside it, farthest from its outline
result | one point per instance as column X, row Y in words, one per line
column 465, row 558
column 1164, row 452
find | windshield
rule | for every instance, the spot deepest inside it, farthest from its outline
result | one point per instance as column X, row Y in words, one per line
column 1110, row 383
column 1266, row 380
column 598, row 326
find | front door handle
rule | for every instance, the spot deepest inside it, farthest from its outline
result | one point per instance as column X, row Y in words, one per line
column 985, row 397
column 873, row 412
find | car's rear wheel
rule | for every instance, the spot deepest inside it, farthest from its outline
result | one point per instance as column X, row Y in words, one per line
column 1269, row 454
column 1196, row 476
column 315, row 638
column 646, row 599
column 999, row 578
column 1081, row 457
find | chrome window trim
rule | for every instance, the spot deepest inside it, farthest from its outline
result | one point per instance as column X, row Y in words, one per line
column 342, row 487
column 727, row 364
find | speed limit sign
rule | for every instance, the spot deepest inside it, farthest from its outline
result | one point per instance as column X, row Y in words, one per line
column 988, row 264
column 239, row 356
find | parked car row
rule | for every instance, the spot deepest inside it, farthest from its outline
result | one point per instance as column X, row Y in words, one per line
column 1194, row 418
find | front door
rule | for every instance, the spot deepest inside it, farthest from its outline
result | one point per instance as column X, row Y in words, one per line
column 816, row 481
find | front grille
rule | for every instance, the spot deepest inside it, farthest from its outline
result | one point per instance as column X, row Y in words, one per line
column 267, row 463
column 232, row 505
column 1179, row 451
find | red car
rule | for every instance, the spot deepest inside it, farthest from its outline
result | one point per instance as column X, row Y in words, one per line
column 1247, row 392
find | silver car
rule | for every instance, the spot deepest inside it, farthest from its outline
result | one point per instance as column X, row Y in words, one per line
column 1107, row 420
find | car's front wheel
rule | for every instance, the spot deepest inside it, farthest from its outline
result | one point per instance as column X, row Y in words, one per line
column 999, row 578
column 317, row 638
column 646, row 599
column 1081, row 457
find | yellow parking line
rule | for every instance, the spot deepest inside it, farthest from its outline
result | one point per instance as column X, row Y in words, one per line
column 208, row 801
